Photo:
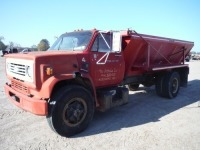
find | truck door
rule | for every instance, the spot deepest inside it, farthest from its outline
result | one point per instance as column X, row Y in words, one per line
column 107, row 65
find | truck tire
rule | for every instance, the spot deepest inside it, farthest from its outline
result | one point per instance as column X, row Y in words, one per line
column 159, row 85
column 147, row 84
column 133, row 87
column 171, row 85
column 70, row 110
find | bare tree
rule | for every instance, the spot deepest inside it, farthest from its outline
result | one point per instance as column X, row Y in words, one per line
column 11, row 44
column 17, row 45
column 2, row 45
column 34, row 48
column 2, row 38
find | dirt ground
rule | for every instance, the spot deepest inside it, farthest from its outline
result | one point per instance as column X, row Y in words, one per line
column 146, row 122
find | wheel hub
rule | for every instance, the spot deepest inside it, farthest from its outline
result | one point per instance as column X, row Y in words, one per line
column 74, row 112
column 174, row 85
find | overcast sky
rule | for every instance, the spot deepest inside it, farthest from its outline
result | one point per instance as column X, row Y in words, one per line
column 26, row 22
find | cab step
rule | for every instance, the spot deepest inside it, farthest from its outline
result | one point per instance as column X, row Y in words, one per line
column 112, row 97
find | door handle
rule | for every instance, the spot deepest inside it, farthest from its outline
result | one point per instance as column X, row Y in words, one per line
column 118, row 55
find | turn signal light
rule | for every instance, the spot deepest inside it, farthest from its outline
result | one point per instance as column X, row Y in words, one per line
column 49, row 71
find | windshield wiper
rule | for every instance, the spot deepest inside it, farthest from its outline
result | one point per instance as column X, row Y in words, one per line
column 73, row 43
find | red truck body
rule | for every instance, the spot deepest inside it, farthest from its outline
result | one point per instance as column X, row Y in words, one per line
column 151, row 52
column 97, row 70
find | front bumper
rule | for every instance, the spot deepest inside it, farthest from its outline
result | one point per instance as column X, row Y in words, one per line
column 33, row 105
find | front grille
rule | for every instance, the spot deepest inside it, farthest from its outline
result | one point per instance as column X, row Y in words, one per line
column 19, row 87
column 17, row 69
column 20, row 69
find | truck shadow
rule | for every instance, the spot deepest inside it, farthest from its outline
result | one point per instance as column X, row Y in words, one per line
column 144, row 107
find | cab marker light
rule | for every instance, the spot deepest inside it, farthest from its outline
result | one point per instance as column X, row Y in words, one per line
column 49, row 71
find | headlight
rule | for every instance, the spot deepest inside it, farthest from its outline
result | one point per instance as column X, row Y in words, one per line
column 29, row 71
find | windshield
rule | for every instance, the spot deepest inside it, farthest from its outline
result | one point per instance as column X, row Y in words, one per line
column 72, row 41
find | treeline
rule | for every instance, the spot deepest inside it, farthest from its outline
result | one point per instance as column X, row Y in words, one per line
column 43, row 45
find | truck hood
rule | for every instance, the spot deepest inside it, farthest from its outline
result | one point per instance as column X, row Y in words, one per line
column 42, row 54
column 61, row 62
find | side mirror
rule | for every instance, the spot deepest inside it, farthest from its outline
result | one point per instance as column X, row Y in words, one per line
column 116, row 42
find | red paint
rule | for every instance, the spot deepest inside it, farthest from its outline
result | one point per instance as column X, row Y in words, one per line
column 140, row 54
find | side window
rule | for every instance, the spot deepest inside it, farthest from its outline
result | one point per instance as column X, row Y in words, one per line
column 102, row 43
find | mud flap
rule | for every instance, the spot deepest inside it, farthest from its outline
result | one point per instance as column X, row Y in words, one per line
column 184, row 76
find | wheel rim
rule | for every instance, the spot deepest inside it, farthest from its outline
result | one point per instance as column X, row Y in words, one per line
column 174, row 86
column 133, row 86
column 74, row 112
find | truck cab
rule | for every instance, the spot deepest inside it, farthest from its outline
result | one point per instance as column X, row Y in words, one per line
column 94, row 50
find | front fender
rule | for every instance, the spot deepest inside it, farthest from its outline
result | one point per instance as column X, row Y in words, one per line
column 49, row 84
column 86, row 75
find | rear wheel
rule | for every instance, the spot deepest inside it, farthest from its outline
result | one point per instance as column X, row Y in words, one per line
column 171, row 85
column 147, row 84
column 133, row 87
column 71, row 110
column 159, row 85
column 168, row 85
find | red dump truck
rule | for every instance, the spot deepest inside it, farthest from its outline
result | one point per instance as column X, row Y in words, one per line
column 86, row 70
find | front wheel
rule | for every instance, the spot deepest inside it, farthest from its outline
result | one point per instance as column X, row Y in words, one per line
column 71, row 110
column 133, row 86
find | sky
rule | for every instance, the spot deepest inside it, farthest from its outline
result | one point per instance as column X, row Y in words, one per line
column 26, row 22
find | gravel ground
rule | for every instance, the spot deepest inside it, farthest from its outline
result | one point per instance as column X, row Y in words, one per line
column 146, row 122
